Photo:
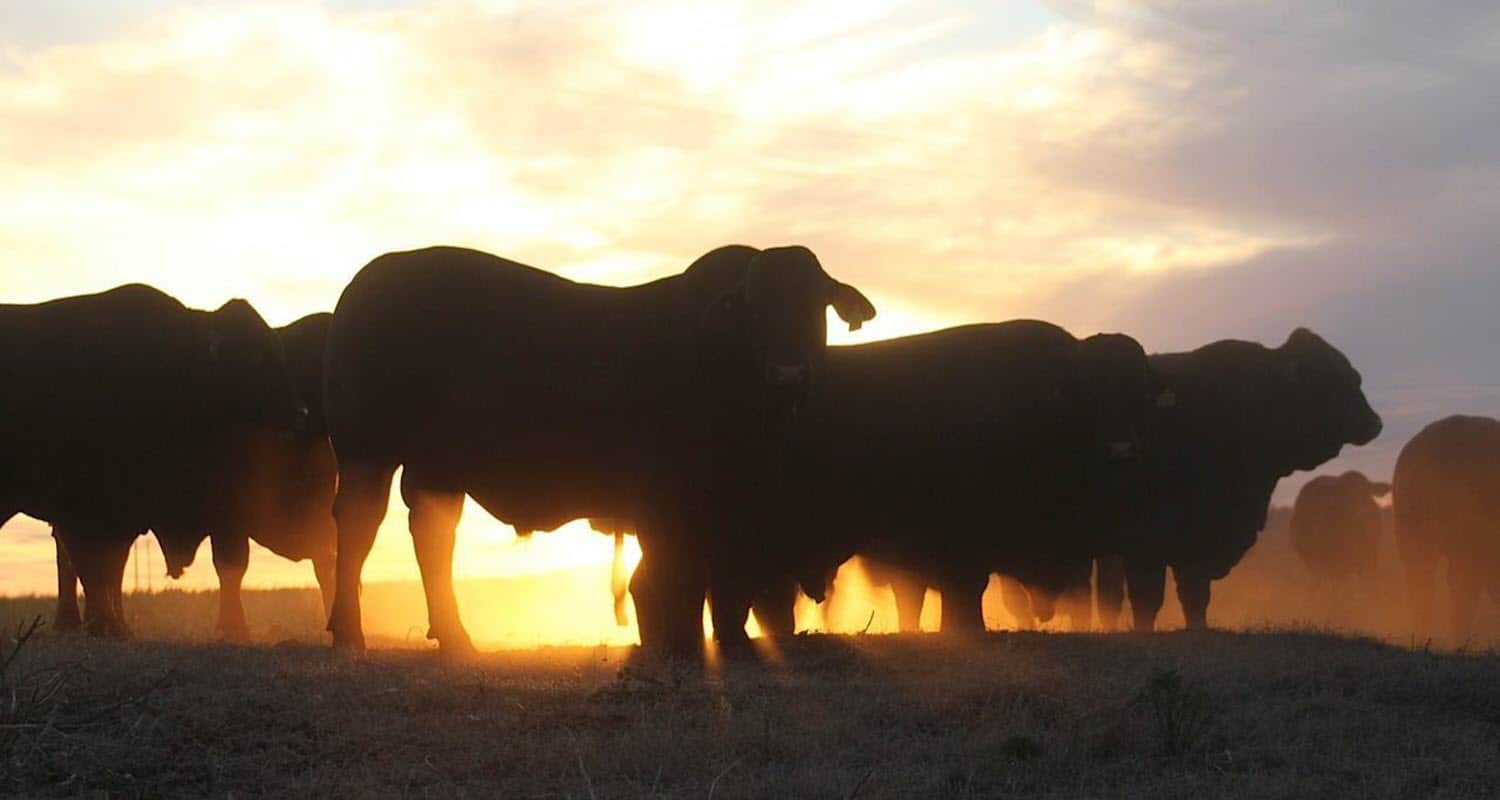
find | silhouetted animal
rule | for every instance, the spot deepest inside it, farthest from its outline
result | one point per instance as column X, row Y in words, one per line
column 1335, row 527
column 547, row 400
column 1447, row 506
column 1246, row 416
column 274, row 488
column 917, row 442
column 109, row 402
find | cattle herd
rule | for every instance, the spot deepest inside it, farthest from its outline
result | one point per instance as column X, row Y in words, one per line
column 705, row 413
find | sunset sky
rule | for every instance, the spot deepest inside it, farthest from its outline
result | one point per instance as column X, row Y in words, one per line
column 1181, row 171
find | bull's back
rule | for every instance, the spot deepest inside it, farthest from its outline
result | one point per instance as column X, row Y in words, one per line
column 447, row 352
column 1447, row 480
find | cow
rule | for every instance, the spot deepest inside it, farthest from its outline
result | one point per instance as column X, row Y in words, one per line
column 1245, row 416
column 1446, row 498
column 273, row 488
column 919, row 442
column 109, row 401
column 547, row 400
column 1335, row 526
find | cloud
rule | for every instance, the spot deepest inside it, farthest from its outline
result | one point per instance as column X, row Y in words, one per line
column 1182, row 171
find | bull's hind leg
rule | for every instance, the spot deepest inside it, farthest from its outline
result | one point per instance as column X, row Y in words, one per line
column 1193, row 592
column 231, row 558
column 1111, row 591
column 1419, row 566
column 68, row 618
column 910, row 594
column 1463, row 597
column 434, row 520
column 359, row 508
column 1146, row 582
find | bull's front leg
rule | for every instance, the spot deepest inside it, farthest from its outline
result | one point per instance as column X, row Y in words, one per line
column 68, row 618
column 963, row 601
column 776, row 609
column 231, row 551
column 1110, row 579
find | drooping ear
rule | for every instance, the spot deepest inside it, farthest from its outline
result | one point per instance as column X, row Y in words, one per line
column 1379, row 488
column 850, row 304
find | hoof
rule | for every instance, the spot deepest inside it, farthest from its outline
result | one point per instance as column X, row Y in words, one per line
column 109, row 629
column 349, row 643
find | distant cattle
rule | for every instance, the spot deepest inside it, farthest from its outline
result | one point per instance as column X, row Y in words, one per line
column 547, row 400
column 1446, row 500
column 110, row 400
column 1246, row 416
column 920, row 442
column 1335, row 526
column 262, row 485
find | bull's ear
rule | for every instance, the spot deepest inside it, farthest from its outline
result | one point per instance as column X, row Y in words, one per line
column 1379, row 488
column 235, row 319
column 850, row 304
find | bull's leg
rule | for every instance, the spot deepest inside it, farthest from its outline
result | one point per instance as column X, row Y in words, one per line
column 676, row 584
column 118, row 556
column 963, row 602
column 1193, row 591
column 619, row 581
column 1464, row 586
column 646, row 595
column 729, row 602
column 776, row 609
column 434, row 519
column 1111, row 590
column 364, row 490
column 100, row 563
column 1077, row 604
column 910, row 593
column 323, row 570
column 1421, row 584
column 231, row 551
column 1146, row 582
column 68, row 618
column 1017, row 602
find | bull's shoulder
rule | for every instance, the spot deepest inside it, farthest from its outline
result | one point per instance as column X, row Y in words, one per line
column 1220, row 355
column 131, row 297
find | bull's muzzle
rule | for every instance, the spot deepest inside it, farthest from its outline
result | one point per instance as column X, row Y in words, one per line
column 786, row 375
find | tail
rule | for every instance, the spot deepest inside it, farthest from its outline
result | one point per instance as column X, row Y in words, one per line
column 618, row 580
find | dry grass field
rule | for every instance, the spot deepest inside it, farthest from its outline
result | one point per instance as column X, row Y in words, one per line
column 1269, row 714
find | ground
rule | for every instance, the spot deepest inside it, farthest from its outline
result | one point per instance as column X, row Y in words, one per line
column 1268, row 714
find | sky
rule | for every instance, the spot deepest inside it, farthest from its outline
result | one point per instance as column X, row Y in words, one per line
column 1180, row 171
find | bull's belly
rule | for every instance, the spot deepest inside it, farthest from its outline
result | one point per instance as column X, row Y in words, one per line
column 539, row 499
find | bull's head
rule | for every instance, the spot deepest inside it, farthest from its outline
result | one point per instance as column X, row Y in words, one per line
column 780, row 304
column 250, row 370
column 1325, row 404
column 1116, row 386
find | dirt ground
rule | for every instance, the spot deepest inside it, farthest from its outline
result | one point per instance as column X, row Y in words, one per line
column 1268, row 714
